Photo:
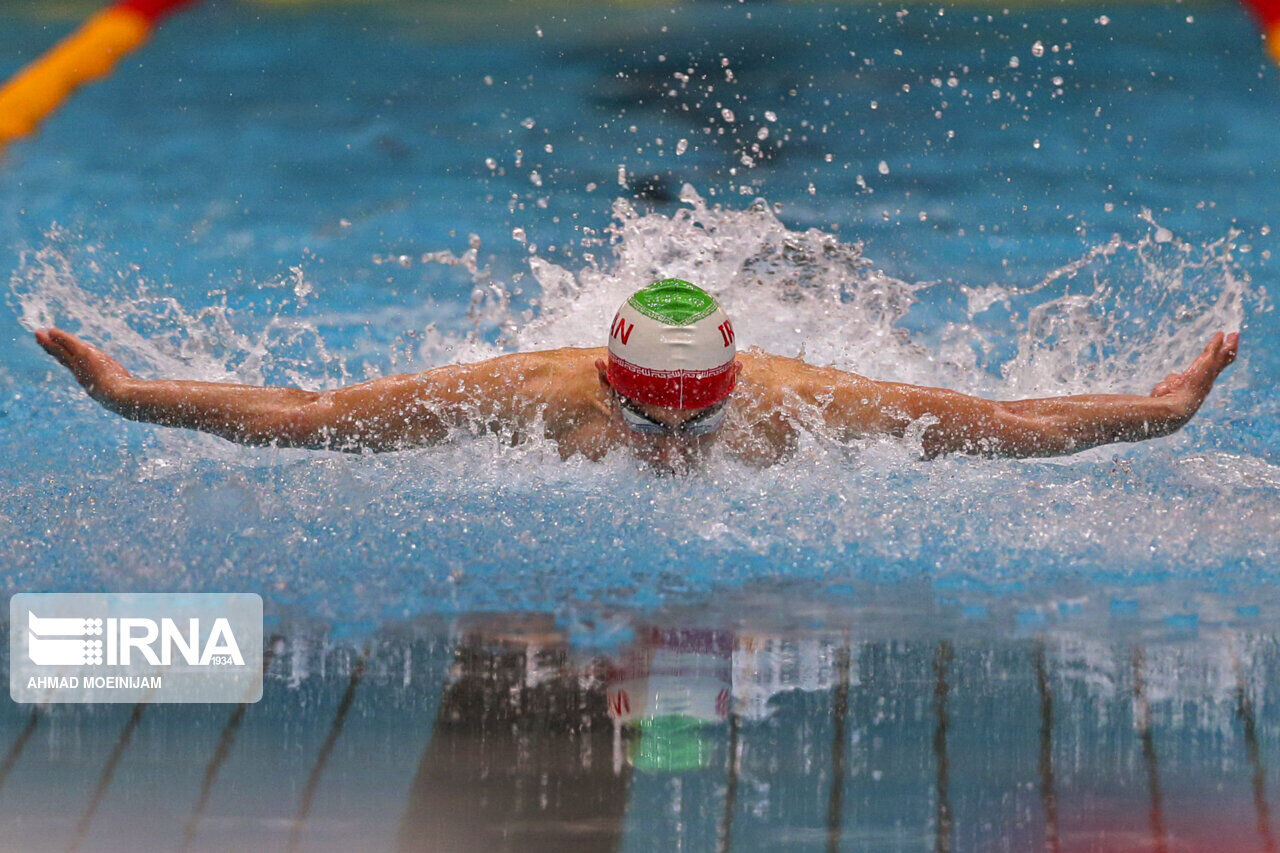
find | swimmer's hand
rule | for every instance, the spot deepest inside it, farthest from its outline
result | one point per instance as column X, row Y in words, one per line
column 1188, row 389
column 98, row 373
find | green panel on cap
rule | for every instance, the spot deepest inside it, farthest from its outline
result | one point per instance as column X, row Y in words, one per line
column 674, row 302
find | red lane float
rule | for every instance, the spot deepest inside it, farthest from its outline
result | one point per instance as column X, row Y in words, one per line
column 86, row 55
column 1268, row 14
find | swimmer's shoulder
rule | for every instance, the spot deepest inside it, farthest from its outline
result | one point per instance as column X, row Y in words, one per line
column 771, row 375
column 569, row 369
column 764, row 371
column 539, row 369
column 538, row 377
column 565, row 380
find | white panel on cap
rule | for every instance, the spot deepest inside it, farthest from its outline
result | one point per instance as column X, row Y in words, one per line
column 659, row 346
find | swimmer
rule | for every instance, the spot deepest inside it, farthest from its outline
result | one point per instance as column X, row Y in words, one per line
column 670, row 385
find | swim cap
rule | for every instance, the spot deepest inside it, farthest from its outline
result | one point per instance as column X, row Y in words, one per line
column 671, row 345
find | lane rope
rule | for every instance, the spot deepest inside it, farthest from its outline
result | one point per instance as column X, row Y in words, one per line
column 90, row 53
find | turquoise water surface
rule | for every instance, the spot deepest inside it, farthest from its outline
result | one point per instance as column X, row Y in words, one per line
column 1013, row 203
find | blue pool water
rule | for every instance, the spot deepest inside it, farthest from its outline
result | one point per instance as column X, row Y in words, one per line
column 1014, row 203
column 253, row 198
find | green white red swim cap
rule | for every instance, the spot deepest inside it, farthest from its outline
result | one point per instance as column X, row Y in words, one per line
column 671, row 345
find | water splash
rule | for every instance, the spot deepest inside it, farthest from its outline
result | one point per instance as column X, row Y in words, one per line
column 788, row 291
column 1118, row 318
column 83, row 288
column 478, row 524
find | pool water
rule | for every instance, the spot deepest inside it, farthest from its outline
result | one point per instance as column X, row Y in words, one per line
column 1010, row 202
column 896, row 724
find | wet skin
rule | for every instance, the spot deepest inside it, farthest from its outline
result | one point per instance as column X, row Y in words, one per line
column 565, row 395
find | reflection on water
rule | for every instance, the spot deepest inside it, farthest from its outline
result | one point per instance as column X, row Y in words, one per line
column 519, row 756
column 762, row 723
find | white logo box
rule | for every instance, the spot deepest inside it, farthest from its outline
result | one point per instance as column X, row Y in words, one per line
column 135, row 647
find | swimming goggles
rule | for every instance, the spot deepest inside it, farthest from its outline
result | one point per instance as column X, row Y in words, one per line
column 706, row 421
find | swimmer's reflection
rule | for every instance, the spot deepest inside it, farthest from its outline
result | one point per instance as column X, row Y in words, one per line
column 521, row 755
column 534, row 750
column 665, row 691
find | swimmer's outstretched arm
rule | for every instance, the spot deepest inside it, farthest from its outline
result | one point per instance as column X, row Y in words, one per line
column 1051, row 426
column 385, row 414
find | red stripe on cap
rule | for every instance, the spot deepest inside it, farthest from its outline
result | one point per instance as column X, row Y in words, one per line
column 672, row 389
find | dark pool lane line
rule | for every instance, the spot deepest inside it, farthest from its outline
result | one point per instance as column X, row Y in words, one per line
column 19, row 744
column 1150, row 760
column 1244, row 708
column 326, row 749
column 108, row 774
column 226, row 740
column 1044, row 764
column 840, row 716
column 943, row 839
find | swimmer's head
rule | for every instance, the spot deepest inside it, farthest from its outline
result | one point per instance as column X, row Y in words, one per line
column 671, row 345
